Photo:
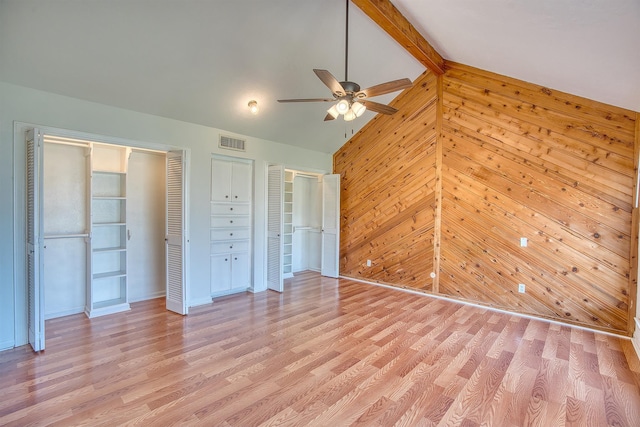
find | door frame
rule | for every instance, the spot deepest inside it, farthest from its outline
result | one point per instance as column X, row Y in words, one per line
column 284, row 166
column 19, row 200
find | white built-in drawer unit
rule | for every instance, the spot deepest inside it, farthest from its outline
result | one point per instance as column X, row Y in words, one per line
column 231, row 225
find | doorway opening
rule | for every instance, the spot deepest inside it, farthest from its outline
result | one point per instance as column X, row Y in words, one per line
column 302, row 224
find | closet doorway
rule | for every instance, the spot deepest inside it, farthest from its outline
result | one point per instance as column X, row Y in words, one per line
column 102, row 224
column 304, row 190
column 303, row 224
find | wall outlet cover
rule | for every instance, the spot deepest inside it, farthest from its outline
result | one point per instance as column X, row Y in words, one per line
column 368, row 263
column 523, row 242
column 521, row 288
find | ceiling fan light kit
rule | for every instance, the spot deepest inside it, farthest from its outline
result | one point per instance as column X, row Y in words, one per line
column 350, row 101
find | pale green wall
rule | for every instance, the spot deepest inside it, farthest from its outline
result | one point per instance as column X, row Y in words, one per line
column 19, row 104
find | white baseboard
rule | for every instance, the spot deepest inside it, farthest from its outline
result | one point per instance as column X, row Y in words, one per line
column 63, row 313
column 159, row 294
column 499, row 310
column 7, row 345
column 636, row 337
column 199, row 301
column 256, row 290
column 111, row 309
column 229, row 292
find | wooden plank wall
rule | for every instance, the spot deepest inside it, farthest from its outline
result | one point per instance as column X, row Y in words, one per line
column 521, row 160
column 514, row 160
column 387, row 192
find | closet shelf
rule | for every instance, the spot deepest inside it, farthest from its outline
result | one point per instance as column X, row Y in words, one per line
column 109, row 198
column 108, row 224
column 114, row 249
column 115, row 305
column 105, row 172
column 110, row 274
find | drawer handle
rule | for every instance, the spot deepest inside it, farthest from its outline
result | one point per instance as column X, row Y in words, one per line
column 226, row 197
column 231, row 208
column 236, row 197
column 231, row 221
column 236, row 258
column 230, row 234
column 226, row 259
column 231, row 247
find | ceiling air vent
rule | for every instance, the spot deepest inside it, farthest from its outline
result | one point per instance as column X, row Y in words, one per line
column 231, row 143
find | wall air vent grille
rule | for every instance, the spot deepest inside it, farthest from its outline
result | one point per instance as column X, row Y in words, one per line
column 230, row 143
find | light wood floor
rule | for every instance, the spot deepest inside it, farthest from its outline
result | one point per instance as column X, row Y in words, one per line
column 327, row 353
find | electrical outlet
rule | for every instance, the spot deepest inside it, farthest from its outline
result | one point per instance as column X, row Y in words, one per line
column 523, row 242
column 368, row 263
column 521, row 288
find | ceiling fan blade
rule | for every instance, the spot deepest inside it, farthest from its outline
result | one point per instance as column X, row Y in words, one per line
column 329, row 117
column 308, row 100
column 384, row 88
column 331, row 82
column 377, row 107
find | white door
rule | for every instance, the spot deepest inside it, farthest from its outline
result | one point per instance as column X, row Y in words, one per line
column 274, row 228
column 240, row 268
column 330, row 225
column 221, row 180
column 241, row 181
column 176, row 234
column 220, row 273
column 35, row 240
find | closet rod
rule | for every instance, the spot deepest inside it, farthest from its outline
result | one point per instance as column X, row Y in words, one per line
column 65, row 236
column 308, row 175
column 60, row 142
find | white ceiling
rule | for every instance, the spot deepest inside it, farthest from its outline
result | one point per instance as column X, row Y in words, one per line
column 202, row 61
column 589, row 48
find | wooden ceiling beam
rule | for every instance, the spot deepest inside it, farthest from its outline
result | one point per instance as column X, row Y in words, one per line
column 385, row 14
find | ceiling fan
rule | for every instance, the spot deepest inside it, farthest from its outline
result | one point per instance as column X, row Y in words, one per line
column 350, row 100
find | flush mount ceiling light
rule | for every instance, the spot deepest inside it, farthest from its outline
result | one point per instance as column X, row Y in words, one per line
column 349, row 100
column 253, row 107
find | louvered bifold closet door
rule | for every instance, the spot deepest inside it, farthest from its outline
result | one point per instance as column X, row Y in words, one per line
column 35, row 242
column 176, row 292
column 274, row 228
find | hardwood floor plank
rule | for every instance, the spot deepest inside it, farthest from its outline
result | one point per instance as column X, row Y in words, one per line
column 324, row 352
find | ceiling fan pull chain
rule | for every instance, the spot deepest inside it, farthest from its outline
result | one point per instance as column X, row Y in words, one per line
column 346, row 45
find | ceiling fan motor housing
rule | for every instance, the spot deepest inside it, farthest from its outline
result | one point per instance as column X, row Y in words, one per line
column 350, row 88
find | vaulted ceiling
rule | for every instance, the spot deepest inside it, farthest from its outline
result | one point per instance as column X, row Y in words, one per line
column 202, row 61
